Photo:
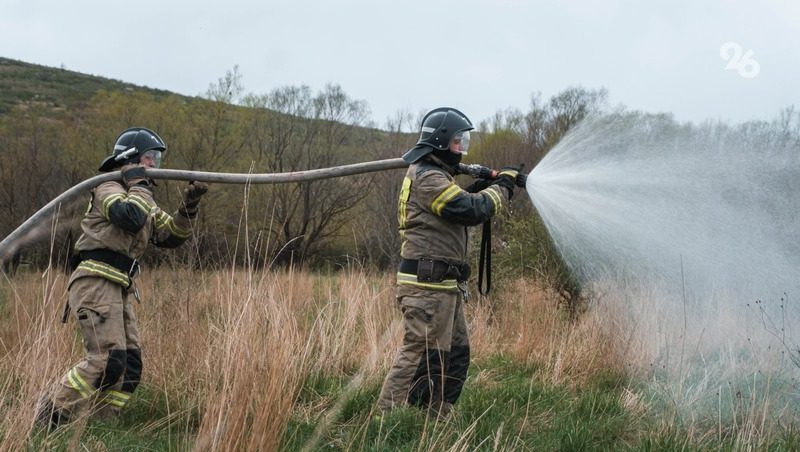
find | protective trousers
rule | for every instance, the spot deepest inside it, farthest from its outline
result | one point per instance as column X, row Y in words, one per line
column 431, row 365
column 112, row 368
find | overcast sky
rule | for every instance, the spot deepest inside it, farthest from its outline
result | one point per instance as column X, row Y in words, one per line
column 479, row 56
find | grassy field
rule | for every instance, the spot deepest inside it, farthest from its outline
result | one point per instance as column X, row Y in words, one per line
column 238, row 360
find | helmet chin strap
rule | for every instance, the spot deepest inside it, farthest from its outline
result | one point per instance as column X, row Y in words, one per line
column 448, row 160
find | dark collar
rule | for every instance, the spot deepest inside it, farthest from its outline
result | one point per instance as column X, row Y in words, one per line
column 438, row 162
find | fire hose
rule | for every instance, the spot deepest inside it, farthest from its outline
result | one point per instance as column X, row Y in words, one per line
column 11, row 243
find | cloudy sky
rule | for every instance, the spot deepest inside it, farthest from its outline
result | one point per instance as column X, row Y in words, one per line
column 480, row 56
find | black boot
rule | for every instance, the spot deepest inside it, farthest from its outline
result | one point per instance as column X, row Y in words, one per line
column 48, row 417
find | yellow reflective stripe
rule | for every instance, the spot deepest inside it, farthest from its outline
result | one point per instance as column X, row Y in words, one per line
column 177, row 231
column 162, row 219
column 411, row 280
column 79, row 384
column 405, row 193
column 116, row 398
column 510, row 173
column 116, row 403
column 440, row 201
column 111, row 199
column 140, row 202
column 495, row 197
column 106, row 271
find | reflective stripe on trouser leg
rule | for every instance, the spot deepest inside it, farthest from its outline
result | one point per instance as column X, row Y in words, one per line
column 78, row 383
column 115, row 398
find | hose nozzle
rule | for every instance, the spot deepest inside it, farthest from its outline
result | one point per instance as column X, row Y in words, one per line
column 484, row 172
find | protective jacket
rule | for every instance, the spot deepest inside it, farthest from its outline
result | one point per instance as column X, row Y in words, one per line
column 123, row 222
column 432, row 363
column 117, row 227
column 433, row 215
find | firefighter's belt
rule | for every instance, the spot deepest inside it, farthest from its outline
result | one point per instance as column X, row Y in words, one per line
column 119, row 261
column 430, row 270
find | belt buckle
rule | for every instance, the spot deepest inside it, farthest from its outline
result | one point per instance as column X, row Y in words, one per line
column 425, row 267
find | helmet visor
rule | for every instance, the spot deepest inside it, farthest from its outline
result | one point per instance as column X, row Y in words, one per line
column 460, row 142
column 154, row 156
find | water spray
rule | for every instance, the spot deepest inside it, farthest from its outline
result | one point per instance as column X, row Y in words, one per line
column 690, row 232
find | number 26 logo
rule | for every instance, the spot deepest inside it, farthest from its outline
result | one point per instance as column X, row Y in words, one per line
column 742, row 63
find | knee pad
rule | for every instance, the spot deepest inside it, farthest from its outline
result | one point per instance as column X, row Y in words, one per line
column 115, row 367
column 456, row 372
column 426, row 386
column 133, row 370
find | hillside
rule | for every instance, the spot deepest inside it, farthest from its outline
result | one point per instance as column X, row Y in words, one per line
column 22, row 82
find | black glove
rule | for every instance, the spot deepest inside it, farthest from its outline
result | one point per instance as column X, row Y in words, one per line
column 522, row 180
column 478, row 185
column 507, row 178
column 134, row 174
column 191, row 198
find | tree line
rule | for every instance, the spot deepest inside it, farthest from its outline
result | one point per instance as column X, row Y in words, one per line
column 324, row 223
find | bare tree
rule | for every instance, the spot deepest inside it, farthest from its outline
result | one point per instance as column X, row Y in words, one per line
column 293, row 131
column 379, row 241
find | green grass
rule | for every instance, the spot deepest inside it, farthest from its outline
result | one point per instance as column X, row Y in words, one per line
column 505, row 406
column 148, row 424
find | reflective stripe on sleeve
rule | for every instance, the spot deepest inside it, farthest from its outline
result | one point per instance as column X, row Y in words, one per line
column 495, row 197
column 162, row 219
column 165, row 220
column 140, row 202
column 111, row 199
column 440, row 201
column 177, row 231
column 137, row 201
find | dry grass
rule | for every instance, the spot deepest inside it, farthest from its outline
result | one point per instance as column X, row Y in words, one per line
column 526, row 324
column 234, row 345
column 228, row 352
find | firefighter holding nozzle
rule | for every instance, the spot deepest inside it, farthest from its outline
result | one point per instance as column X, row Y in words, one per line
column 121, row 220
column 434, row 213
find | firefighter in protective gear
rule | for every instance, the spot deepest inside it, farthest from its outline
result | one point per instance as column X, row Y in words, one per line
column 433, row 212
column 122, row 219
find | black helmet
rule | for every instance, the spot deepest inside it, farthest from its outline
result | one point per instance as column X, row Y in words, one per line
column 131, row 144
column 438, row 127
